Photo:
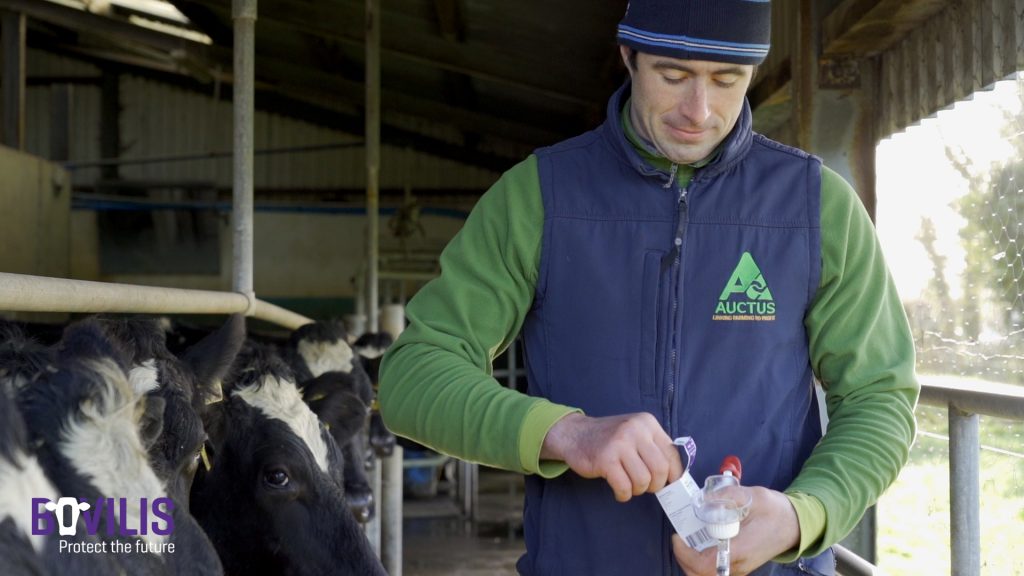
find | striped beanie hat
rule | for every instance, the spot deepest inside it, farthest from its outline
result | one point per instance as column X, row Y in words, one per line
column 736, row 31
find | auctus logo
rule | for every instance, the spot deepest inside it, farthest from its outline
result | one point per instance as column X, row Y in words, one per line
column 746, row 296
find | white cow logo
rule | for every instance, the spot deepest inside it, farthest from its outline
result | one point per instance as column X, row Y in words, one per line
column 76, row 509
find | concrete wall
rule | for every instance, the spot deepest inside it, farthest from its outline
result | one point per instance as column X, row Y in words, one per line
column 298, row 255
column 35, row 201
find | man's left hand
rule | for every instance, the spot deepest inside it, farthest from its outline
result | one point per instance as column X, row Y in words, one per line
column 770, row 529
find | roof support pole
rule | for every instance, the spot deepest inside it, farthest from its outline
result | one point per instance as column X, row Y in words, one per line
column 372, row 161
column 392, row 322
column 835, row 111
column 374, row 529
column 243, row 13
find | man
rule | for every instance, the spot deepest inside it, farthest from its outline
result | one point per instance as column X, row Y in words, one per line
column 672, row 274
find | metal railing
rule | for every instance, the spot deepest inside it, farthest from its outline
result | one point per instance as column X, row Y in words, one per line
column 25, row 293
column 849, row 563
column 966, row 401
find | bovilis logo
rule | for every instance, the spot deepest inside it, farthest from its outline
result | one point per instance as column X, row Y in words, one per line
column 154, row 517
column 746, row 296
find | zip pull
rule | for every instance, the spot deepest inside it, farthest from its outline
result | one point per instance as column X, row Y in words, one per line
column 672, row 175
column 682, row 195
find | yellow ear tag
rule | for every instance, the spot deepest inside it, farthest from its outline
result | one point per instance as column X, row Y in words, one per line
column 205, row 457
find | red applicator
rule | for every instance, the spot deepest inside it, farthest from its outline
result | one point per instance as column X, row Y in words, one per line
column 731, row 466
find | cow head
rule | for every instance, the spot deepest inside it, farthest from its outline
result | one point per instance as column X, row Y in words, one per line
column 94, row 420
column 335, row 385
column 84, row 418
column 272, row 502
column 176, row 391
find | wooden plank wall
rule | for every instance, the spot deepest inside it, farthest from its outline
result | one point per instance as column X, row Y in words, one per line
column 785, row 27
column 965, row 48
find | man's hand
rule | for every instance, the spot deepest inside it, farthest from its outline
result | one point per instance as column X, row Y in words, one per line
column 770, row 529
column 632, row 452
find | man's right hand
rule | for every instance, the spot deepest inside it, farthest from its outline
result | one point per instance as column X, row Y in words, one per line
column 632, row 451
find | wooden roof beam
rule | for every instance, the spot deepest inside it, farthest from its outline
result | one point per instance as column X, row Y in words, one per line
column 191, row 57
column 869, row 27
column 449, row 20
column 478, row 62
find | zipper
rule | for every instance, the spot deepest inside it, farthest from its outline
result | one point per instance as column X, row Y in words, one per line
column 677, row 280
column 676, row 275
column 672, row 176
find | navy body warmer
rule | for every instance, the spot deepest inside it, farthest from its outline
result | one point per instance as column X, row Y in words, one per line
column 687, row 303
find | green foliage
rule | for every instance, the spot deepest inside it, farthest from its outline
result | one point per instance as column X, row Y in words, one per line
column 981, row 333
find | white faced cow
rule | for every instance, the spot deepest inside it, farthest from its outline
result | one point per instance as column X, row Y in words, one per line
column 272, row 502
column 337, row 388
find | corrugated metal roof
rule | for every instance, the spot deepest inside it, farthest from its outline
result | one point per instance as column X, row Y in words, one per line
column 160, row 120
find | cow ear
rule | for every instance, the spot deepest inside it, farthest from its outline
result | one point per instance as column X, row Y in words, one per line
column 151, row 420
column 215, row 418
column 210, row 359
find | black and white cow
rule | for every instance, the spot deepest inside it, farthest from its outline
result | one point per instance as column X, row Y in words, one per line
column 371, row 347
column 337, row 388
column 96, row 425
column 272, row 503
column 22, row 552
column 83, row 421
column 174, row 392
column 184, row 386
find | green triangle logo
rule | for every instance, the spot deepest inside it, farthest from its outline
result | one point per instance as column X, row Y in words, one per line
column 747, row 279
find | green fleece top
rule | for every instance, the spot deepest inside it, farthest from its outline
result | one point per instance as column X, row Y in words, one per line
column 436, row 385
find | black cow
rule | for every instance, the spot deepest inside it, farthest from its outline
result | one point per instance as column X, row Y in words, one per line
column 272, row 503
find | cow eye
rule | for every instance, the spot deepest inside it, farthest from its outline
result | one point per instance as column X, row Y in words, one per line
column 276, row 478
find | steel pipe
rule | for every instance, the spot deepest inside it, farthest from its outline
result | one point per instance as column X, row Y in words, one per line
column 372, row 139
column 391, row 512
column 392, row 321
column 965, row 492
column 373, row 527
column 850, row 564
column 280, row 316
column 243, row 13
column 988, row 398
column 25, row 293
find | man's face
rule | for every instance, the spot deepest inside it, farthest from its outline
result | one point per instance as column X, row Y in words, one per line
column 685, row 107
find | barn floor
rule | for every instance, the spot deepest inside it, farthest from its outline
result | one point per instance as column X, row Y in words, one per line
column 436, row 540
